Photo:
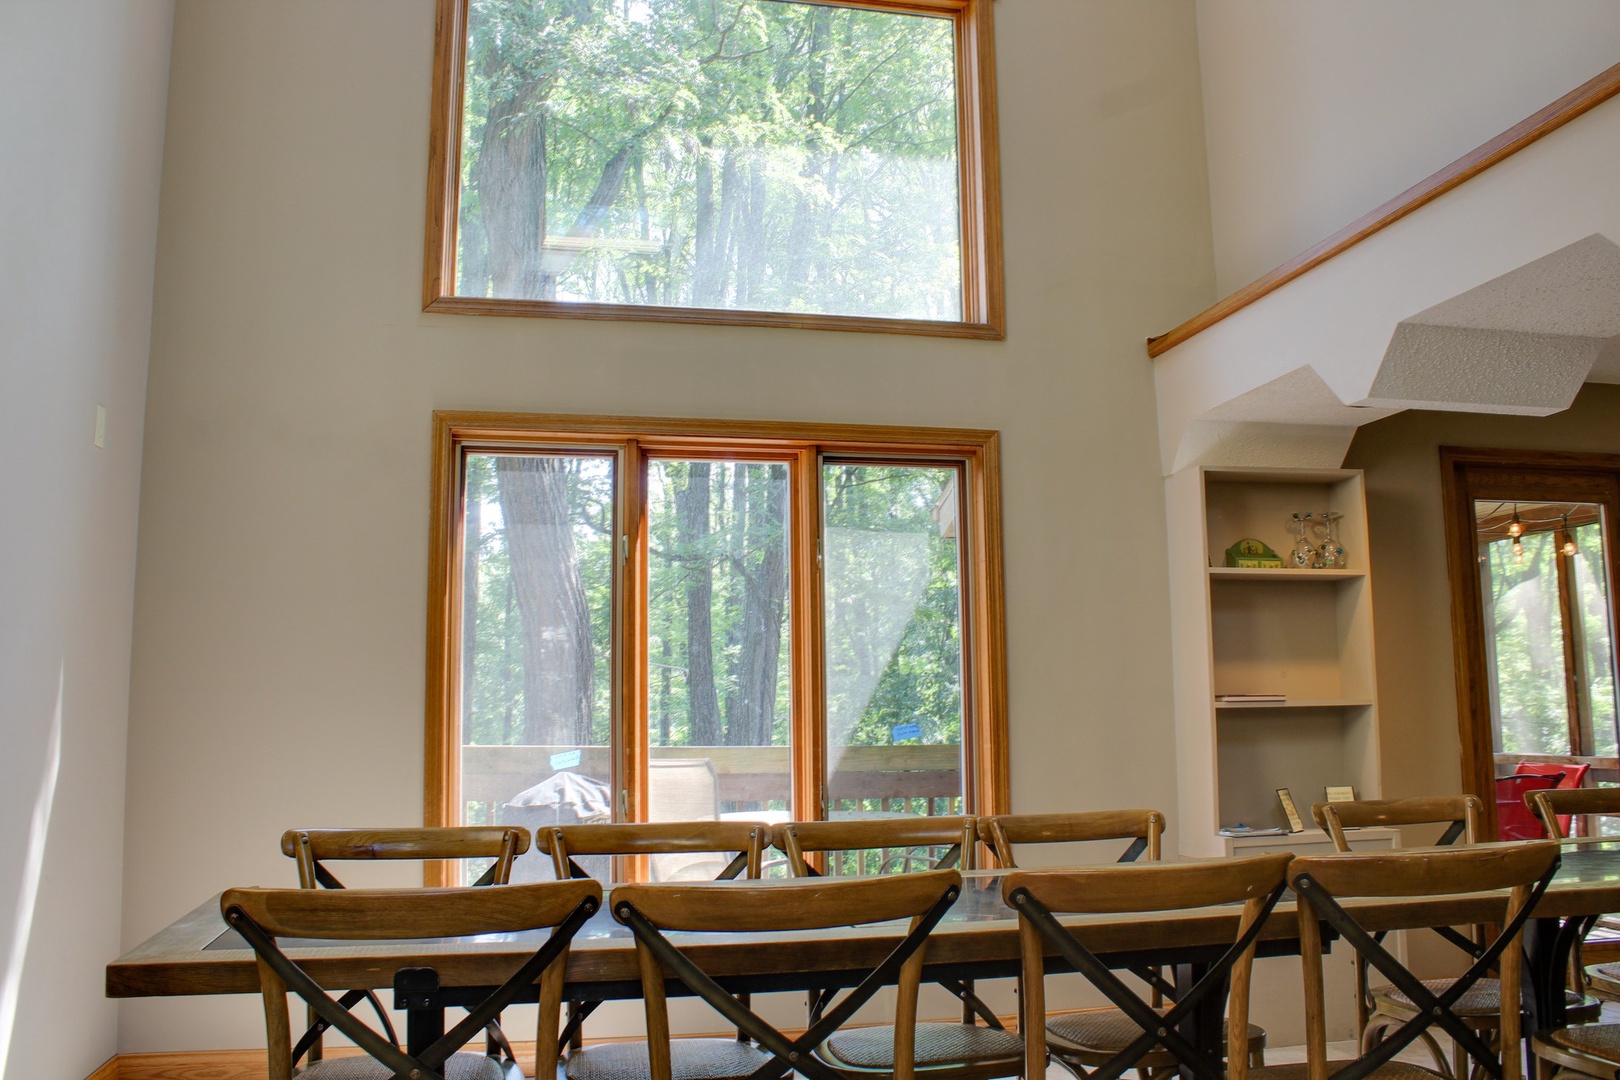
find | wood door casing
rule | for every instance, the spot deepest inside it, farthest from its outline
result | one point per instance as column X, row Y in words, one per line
column 1469, row 474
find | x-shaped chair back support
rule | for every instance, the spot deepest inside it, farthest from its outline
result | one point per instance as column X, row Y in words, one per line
column 777, row 907
column 1322, row 881
column 1040, row 897
column 263, row 915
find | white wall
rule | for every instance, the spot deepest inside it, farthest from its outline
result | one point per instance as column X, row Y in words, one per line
column 280, row 628
column 82, row 90
column 1317, row 111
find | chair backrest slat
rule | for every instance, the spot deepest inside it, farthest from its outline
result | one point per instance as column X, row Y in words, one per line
column 1554, row 804
column 956, row 834
column 385, row 914
column 312, row 847
column 790, row 904
column 1003, row 833
column 747, row 839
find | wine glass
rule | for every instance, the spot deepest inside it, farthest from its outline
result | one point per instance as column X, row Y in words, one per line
column 1331, row 552
column 1305, row 555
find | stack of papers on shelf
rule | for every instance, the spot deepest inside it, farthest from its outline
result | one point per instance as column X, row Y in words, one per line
column 1244, row 830
column 1241, row 698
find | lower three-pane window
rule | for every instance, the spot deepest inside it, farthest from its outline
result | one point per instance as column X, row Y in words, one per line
column 656, row 621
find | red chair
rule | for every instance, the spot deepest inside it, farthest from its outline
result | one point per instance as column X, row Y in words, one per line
column 1573, row 776
column 1515, row 820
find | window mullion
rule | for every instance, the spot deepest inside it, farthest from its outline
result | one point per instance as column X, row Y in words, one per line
column 808, row 732
column 630, row 677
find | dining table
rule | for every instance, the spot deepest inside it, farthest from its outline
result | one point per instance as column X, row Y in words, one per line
column 977, row 939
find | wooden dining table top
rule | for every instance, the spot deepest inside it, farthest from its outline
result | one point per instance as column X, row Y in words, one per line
column 198, row 954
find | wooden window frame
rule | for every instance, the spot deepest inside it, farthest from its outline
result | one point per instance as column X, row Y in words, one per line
column 984, row 663
column 1470, row 473
column 978, row 157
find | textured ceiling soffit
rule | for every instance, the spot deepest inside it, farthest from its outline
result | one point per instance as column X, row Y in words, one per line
column 1298, row 397
column 1522, row 343
column 1491, row 371
column 1262, row 445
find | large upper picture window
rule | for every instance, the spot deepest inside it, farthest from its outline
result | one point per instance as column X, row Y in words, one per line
column 658, row 621
column 775, row 162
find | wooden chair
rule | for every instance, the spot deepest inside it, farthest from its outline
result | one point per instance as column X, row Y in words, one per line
column 776, row 907
column 1380, row 1008
column 313, row 848
column 899, row 845
column 1094, row 1036
column 1040, row 897
column 1322, row 882
column 1558, row 809
column 263, row 915
column 741, row 844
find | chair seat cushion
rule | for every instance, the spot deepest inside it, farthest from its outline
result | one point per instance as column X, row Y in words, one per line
column 938, row 1045
column 689, row 1059
column 1106, row 1031
column 1392, row 1070
column 1484, row 998
column 1599, row 1040
column 464, row 1066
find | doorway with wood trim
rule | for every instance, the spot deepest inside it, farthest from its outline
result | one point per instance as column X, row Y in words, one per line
column 1530, row 539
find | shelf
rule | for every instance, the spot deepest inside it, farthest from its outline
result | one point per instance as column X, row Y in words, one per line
column 1374, row 837
column 1298, row 703
column 1250, row 573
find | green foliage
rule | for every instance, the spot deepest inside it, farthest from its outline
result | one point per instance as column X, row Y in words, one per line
column 1529, row 642
column 757, row 154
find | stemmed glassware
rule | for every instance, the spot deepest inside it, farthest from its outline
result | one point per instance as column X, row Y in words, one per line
column 1331, row 553
column 1305, row 555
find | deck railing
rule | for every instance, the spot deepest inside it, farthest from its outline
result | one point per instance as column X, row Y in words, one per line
column 894, row 779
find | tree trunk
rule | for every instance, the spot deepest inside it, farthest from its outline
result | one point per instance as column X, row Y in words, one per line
column 764, row 610
column 692, row 530
column 510, row 177
column 558, row 661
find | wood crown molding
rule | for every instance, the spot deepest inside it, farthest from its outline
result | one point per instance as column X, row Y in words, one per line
column 1577, row 102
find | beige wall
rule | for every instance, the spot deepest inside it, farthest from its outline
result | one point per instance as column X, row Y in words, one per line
column 1416, row 688
column 1317, row 110
column 82, row 89
column 279, row 634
